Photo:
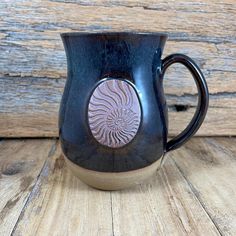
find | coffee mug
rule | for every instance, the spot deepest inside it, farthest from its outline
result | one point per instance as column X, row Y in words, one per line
column 113, row 121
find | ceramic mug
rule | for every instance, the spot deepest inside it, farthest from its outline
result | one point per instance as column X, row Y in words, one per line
column 113, row 120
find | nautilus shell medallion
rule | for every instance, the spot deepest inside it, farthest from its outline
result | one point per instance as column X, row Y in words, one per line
column 114, row 113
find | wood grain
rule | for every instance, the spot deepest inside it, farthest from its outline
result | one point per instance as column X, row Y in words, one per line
column 61, row 204
column 165, row 205
column 20, row 164
column 29, row 108
column 32, row 56
column 193, row 194
column 209, row 166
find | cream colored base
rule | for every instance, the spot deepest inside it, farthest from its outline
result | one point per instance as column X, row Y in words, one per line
column 110, row 180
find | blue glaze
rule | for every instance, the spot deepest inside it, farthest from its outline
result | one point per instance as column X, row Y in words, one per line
column 135, row 57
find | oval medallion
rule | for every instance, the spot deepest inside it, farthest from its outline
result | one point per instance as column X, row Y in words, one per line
column 114, row 113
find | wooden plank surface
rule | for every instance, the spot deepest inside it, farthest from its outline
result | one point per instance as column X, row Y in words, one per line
column 20, row 164
column 35, row 101
column 209, row 166
column 165, row 205
column 33, row 59
column 60, row 204
column 192, row 194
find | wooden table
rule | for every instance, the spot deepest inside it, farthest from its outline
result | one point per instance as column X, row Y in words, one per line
column 193, row 194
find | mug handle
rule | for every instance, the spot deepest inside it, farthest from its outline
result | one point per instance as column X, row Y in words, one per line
column 203, row 99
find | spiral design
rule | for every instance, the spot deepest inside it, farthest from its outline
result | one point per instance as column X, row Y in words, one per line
column 114, row 113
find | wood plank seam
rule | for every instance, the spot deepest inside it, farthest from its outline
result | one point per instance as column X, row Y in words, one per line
column 177, row 199
column 37, row 102
column 18, row 173
column 58, row 182
column 142, row 205
column 112, row 214
column 195, row 192
column 35, row 187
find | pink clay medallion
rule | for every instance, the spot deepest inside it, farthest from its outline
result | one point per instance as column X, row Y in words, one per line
column 114, row 113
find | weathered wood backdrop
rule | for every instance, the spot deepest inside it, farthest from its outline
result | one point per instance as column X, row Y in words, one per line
column 33, row 62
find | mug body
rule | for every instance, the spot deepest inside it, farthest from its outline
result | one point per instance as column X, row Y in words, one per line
column 113, row 114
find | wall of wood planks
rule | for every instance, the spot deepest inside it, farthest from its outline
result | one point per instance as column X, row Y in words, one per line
column 33, row 62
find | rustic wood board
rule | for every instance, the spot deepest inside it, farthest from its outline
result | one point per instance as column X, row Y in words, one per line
column 212, row 162
column 193, row 194
column 60, row 204
column 20, row 164
column 33, row 59
column 165, row 205
column 35, row 101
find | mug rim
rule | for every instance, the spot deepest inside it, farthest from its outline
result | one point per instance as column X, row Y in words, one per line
column 111, row 33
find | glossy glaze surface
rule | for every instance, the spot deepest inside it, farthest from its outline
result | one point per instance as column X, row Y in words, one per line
column 131, row 57
column 135, row 59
